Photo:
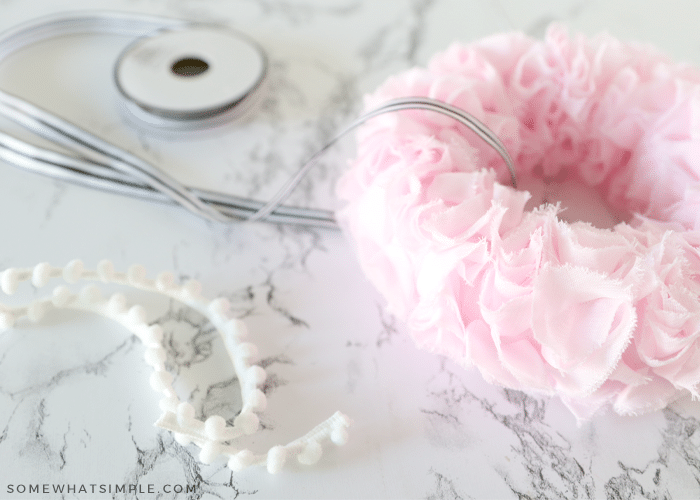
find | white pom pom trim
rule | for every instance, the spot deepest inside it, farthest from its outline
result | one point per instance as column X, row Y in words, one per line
column 213, row 435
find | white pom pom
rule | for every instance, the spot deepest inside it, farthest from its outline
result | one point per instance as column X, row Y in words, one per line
column 255, row 375
column 257, row 400
column 214, row 427
column 161, row 381
column 154, row 335
column 41, row 274
column 7, row 320
column 137, row 315
column 36, row 311
column 220, row 306
column 9, row 281
column 165, row 281
column 340, row 436
column 275, row 459
column 247, row 422
column 236, row 329
column 209, row 452
column 247, row 352
column 136, row 275
column 61, row 296
column 116, row 304
column 155, row 356
column 185, row 414
column 311, row 453
column 105, row 270
column 193, row 289
column 73, row 271
column 241, row 460
column 90, row 294
column 169, row 404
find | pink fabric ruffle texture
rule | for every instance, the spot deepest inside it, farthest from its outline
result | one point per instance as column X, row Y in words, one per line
column 595, row 316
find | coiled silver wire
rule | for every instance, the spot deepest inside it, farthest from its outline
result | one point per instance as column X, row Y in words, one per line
column 99, row 164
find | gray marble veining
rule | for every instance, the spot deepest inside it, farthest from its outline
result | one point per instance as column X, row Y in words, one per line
column 75, row 406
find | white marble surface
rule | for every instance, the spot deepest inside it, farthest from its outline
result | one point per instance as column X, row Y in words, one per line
column 75, row 406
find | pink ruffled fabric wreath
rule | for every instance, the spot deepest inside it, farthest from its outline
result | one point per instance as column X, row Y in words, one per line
column 595, row 316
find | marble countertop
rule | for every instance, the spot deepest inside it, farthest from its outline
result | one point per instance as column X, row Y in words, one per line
column 75, row 405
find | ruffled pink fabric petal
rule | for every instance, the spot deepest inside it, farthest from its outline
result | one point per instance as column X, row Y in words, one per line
column 599, row 317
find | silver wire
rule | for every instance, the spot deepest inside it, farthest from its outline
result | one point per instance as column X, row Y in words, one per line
column 391, row 106
column 101, row 165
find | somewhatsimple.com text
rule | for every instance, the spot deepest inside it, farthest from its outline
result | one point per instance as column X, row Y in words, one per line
column 98, row 488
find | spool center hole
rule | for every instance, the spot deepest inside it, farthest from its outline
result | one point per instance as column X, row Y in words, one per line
column 189, row 66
